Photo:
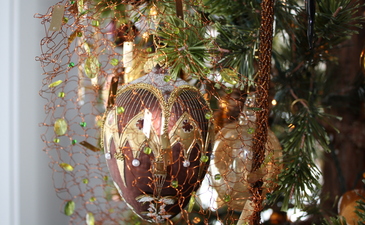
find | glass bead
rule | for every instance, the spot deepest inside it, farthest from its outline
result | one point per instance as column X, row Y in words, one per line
column 114, row 62
column 268, row 196
column 60, row 126
column 208, row 115
column 106, row 178
column 147, row 150
column 191, row 202
column 212, row 156
column 90, row 220
column 72, row 2
column 71, row 64
column 217, row 86
column 61, row 94
column 69, row 208
column 250, row 130
column 120, row 110
column 227, row 198
column 74, row 141
column 66, row 166
column 83, row 124
column 56, row 140
column 136, row 162
column 91, row 67
column 217, row 177
column 167, row 78
column 92, row 199
column 79, row 34
column 108, row 156
column 204, row 158
column 55, row 84
column 65, row 19
column 229, row 90
column 186, row 163
column 95, row 23
column 85, row 181
column 174, row 183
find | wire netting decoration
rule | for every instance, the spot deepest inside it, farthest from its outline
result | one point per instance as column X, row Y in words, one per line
column 94, row 48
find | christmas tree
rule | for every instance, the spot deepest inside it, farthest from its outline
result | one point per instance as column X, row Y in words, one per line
column 231, row 79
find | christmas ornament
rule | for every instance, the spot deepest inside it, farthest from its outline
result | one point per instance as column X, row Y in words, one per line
column 157, row 148
column 347, row 204
column 231, row 167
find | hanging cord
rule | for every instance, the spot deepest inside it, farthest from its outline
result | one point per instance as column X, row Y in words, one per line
column 263, row 80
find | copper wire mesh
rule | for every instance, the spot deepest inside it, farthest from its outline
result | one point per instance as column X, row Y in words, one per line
column 89, row 41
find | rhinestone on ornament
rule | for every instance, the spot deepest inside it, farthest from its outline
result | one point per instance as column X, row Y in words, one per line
column 108, row 156
column 186, row 163
column 212, row 156
column 136, row 162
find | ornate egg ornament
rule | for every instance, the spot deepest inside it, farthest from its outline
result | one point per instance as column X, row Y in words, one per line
column 231, row 167
column 157, row 143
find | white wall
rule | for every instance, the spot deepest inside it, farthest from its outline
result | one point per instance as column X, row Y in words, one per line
column 26, row 190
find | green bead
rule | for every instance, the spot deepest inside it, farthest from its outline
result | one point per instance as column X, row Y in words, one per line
column 149, row 50
column 227, row 198
column 91, row 67
column 204, row 158
column 72, row 2
column 176, row 30
column 191, row 202
column 217, row 177
column 65, row 19
column 208, row 115
column 167, row 78
column 85, row 181
column 90, row 220
column 66, row 166
column 71, row 64
column 83, row 124
column 147, row 150
column 120, row 110
column 106, row 178
column 79, row 34
column 217, row 86
column 95, row 23
column 55, row 84
column 174, row 183
column 250, row 130
column 60, row 126
column 74, row 141
column 92, row 199
column 56, row 140
column 61, row 94
column 114, row 62
column 229, row 90
column 69, row 208
column 268, row 196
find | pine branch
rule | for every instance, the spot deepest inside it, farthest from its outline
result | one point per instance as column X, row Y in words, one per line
column 335, row 221
column 360, row 209
column 184, row 46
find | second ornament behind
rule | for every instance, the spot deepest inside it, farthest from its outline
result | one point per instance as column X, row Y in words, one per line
column 231, row 167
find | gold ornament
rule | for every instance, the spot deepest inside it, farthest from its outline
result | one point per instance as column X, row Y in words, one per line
column 347, row 203
column 231, row 166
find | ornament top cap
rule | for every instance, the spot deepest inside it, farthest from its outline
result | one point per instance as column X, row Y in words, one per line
column 156, row 78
